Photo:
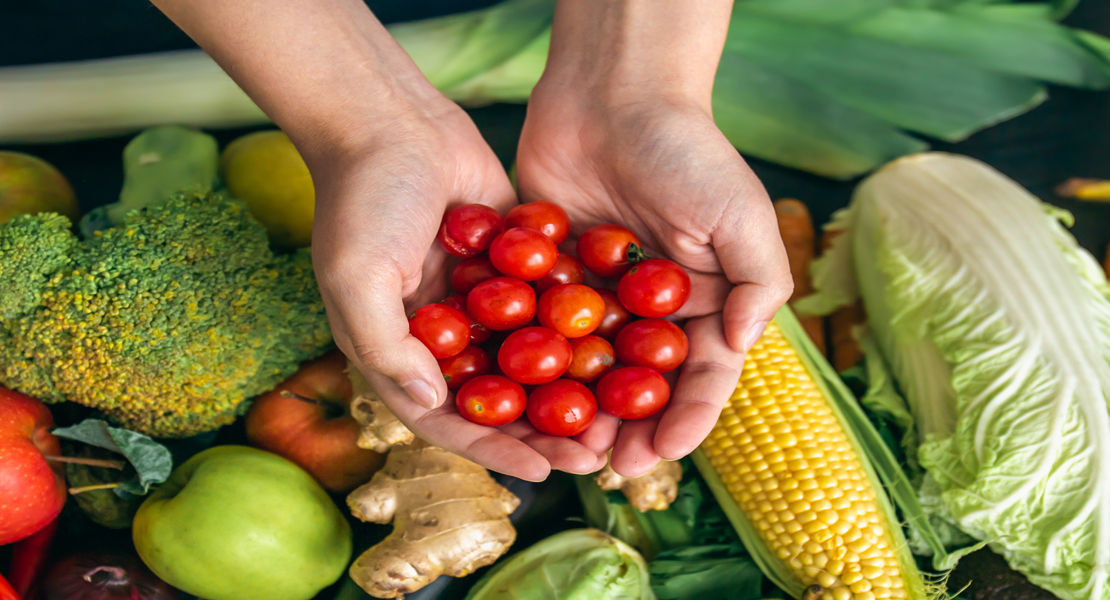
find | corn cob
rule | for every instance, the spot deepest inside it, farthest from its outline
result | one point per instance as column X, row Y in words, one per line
column 795, row 481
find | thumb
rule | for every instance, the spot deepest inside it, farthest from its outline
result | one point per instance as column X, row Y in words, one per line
column 366, row 308
column 754, row 260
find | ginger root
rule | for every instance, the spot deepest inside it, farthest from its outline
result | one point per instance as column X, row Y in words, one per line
column 449, row 518
column 654, row 490
column 381, row 429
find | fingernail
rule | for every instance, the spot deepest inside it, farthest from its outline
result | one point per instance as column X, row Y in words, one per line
column 422, row 393
column 754, row 334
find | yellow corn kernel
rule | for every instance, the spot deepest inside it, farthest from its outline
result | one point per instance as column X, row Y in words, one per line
column 818, row 489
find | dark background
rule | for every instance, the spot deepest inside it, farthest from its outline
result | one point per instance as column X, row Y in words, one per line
column 1066, row 136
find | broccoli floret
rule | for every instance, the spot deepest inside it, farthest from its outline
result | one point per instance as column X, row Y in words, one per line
column 166, row 323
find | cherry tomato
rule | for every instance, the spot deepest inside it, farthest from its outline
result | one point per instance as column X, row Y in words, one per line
column 572, row 309
column 534, row 355
column 523, row 253
column 591, row 358
column 609, row 250
column 502, row 303
column 464, row 366
column 652, row 343
column 471, row 272
column 545, row 217
column 632, row 392
column 491, row 400
column 654, row 288
column 562, row 407
column 616, row 315
column 567, row 270
column 444, row 330
column 469, row 229
column 478, row 332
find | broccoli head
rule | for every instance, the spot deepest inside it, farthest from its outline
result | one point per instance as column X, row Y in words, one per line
column 166, row 323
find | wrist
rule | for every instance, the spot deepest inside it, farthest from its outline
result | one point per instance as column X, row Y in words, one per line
column 617, row 52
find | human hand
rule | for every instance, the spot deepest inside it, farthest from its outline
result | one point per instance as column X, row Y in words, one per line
column 378, row 210
column 649, row 157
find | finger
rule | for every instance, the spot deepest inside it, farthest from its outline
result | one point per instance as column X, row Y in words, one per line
column 564, row 454
column 634, row 451
column 367, row 313
column 444, row 427
column 708, row 294
column 753, row 257
column 707, row 379
column 601, row 434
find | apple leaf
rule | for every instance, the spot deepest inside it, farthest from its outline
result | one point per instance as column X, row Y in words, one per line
column 152, row 461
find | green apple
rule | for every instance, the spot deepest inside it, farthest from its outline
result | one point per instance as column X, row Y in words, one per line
column 236, row 523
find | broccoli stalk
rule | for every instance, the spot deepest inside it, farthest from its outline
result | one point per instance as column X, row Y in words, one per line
column 166, row 323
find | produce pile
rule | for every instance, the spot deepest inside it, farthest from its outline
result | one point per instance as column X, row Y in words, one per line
column 176, row 423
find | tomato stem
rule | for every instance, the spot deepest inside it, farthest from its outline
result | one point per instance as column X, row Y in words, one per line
column 91, row 462
column 636, row 254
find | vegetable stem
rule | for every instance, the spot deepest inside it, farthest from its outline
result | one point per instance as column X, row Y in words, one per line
column 89, row 488
column 91, row 462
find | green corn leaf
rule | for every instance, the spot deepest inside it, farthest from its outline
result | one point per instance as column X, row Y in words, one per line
column 991, row 37
column 917, row 89
column 511, row 81
column 769, row 116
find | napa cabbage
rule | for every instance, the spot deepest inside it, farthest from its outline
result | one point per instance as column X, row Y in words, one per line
column 996, row 327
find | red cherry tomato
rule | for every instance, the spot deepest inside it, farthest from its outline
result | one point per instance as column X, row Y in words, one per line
column 609, row 250
column 478, row 332
column 654, row 288
column 545, row 217
column 523, row 253
column 534, row 355
column 444, row 330
column 502, row 303
column 572, row 309
column 591, row 358
column 652, row 343
column 562, row 407
column 469, row 229
column 567, row 270
column 633, row 392
column 616, row 315
column 464, row 366
column 471, row 272
column 491, row 400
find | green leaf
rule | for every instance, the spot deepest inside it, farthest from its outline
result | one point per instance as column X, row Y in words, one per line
column 918, row 89
column 680, row 576
column 650, row 533
column 151, row 460
column 452, row 49
column 769, row 116
column 994, row 37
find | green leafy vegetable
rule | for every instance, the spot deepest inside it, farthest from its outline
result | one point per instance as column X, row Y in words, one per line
column 580, row 564
column 996, row 325
column 152, row 461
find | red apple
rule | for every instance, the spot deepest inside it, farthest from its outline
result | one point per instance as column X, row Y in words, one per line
column 316, row 430
column 32, row 490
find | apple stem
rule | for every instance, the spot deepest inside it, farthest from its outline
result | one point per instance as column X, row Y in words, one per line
column 91, row 462
column 288, row 394
column 89, row 488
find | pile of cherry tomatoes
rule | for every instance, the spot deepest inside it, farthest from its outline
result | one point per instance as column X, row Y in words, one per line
column 571, row 337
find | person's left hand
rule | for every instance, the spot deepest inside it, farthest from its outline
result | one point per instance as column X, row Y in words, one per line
column 660, row 167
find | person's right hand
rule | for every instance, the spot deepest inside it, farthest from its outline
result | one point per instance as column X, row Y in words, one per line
column 378, row 209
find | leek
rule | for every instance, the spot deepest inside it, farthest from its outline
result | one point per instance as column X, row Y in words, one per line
column 821, row 85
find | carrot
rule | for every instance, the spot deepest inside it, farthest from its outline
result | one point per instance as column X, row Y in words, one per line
column 844, row 350
column 796, row 229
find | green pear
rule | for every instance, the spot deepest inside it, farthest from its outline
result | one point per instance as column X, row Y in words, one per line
column 236, row 523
